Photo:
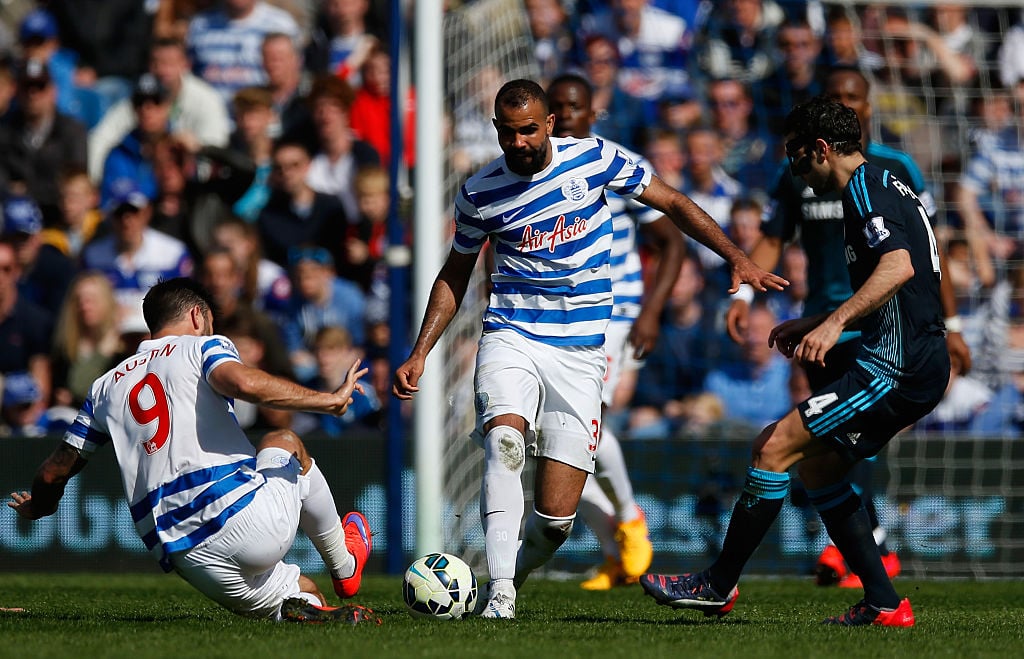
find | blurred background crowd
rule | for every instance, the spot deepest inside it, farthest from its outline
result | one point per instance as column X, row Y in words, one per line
column 247, row 143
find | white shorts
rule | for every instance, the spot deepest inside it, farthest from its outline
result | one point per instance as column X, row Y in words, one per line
column 240, row 566
column 557, row 389
column 620, row 358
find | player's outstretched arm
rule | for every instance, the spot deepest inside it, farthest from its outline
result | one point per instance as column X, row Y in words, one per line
column 765, row 255
column 445, row 298
column 48, row 485
column 236, row 380
column 671, row 248
column 693, row 221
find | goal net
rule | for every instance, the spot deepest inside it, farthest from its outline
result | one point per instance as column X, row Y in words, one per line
column 935, row 104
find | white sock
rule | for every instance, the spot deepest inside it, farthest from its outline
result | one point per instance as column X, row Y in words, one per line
column 598, row 514
column 320, row 521
column 613, row 477
column 501, row 499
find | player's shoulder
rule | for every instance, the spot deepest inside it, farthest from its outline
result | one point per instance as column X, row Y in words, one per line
column 899, row 162
column 631, row 155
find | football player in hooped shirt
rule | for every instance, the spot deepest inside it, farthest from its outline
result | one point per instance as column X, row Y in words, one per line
column 899, row 375
column 607, row 504
column 541, row 360
column 207, row 505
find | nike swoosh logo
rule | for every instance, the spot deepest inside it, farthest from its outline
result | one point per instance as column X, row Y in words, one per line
column 508, row 217
column 493, row 512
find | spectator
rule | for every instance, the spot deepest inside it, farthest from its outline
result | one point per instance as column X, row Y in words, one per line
column 475, row 142
column 112, row 39
column 620, row 116
column 21, row 410
column 754, row 389
column 37, row 141
column 665, row 152
column 653, row 47
column 712, row 189
column 223, row 278
column 197, row 117
column 751, row 153
column 224, row 43
column 371, row 110
column 25, row 329
column 80, row 216
column 132, row 158
column 799, row 76
column 252, row 350
column 552, row 38
column 366, row 239
column 341, row 41
column 46, row 273
column 745, row 223
column 334, row 353
column 40, row 40
column 288, row 87
column 341, row 154
column 86, row 342
column 265, row 284
column 789, row 304
column 297, row 214
column 991, row 198
column 844, row 46
column 676, row 367
column 1011, row 61
column 255, row 119
column 134, row 256
column 320, row 298
column 739, row 39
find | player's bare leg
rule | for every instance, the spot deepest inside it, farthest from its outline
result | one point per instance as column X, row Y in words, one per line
column 557, row 489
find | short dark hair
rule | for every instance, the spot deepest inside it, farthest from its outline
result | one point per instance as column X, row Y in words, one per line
column 332, row 88
column 825, row 119
column 572, row 79
column 518, row 93
column 171, row 299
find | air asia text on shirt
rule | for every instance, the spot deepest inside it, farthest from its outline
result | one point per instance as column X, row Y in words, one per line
column 560, row 234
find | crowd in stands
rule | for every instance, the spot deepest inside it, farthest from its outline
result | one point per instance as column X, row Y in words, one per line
column 247, row 143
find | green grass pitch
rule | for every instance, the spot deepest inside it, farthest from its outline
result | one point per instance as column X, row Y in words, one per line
column 91, row 615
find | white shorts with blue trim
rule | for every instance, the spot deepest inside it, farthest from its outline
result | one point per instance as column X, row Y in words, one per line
column 240, row 567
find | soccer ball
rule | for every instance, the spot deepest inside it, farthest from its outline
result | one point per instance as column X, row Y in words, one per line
column 439, row 586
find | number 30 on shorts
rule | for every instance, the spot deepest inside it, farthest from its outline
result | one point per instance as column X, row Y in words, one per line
column 596, row 427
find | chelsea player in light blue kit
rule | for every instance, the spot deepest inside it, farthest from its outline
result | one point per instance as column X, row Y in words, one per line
column 541, row 359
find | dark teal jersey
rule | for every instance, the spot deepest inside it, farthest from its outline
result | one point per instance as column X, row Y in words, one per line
column 818, row 221
column 882, row 214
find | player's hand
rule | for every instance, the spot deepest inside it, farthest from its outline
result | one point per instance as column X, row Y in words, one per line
column 745, row 271
column 21, row 502
column 959, row 353
column 351, row 384
column 786, row 336
column 407, row 377
column 643, row 335
column 736, row 320
column 817, row 343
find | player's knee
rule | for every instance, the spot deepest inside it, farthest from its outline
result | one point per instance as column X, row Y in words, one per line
column 772, row 450
column 548, row 530
column 288, row 441
column 505, row 448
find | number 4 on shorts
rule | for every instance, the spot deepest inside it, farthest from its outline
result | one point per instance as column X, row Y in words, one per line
column 817, row 404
